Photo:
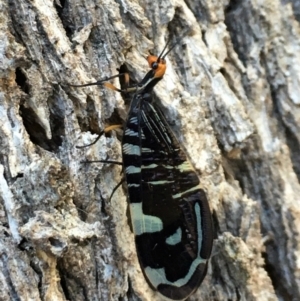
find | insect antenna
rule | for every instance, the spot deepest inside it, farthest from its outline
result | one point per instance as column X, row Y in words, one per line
column 162, row 55
column 162, row 52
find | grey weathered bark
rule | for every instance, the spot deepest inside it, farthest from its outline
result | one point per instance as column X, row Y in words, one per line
column 232, row 96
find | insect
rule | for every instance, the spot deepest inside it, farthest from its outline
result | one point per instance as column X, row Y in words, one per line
column 170, row 215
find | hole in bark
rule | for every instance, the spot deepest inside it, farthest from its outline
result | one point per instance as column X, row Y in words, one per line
column 130, row 291
column 92, row 126
column 35, row 266
column 56, row 242
column 199, row 9
column 75, row 241
column 89, row 121
column 57, row 115
column 216, row 227
column 129, row 221
column 235, row 169
column 178, row 23
column 63, row 11
column 296, row 9
column 21, row 80
column 63, row 274
column 13, row 179
column 286, row 125
column 35, row 129
column 103, row 206
column 233, row 4
column 24, row 245
column 294, row 148
column 276, row 278
column 6, row 233
column 236, row 11
column 114, row 119
column 225, row 74
column 127, row 97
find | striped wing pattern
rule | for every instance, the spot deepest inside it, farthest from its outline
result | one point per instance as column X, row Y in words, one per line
column 170, row 215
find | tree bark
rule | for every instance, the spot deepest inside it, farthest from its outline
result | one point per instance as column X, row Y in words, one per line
column 231, row 94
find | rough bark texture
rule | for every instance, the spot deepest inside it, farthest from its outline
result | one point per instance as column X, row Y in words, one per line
column 232, row 96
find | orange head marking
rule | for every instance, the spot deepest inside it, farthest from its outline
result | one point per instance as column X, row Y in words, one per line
column 158, row 65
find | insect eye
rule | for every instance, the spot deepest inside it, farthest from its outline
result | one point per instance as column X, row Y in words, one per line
column 154, row 65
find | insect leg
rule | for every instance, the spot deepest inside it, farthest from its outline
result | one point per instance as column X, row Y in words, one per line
column 100, row 82
column 105, row 131
column 115, row 189
column 112, row 162
column 108, row 85
column 103, row 161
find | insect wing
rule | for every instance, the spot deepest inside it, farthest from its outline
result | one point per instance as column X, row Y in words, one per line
column 170, row 214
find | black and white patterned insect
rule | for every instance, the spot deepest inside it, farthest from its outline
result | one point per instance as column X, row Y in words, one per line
column 170, row 215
